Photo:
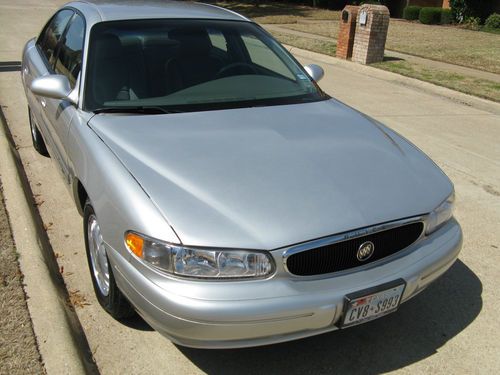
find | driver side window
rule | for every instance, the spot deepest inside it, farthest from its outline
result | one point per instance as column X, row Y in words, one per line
column 51, row 34
column 69, row 55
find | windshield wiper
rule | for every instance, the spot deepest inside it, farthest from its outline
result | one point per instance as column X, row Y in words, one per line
column 147, row 110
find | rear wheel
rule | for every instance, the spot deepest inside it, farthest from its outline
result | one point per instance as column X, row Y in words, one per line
column 36, row 137
column 106, row 290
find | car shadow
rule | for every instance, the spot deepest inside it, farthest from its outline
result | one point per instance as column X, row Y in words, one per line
column 136, row 322
column 416, row 331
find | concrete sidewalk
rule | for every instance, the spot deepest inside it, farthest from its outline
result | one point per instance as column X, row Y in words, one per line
column 446, row 329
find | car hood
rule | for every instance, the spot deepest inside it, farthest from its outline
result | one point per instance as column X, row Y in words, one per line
column 268, row 177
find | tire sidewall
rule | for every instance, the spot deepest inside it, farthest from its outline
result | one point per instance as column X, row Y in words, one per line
column 115, row 303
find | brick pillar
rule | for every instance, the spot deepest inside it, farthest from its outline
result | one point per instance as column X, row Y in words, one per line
column 345, row 39
column 371, row 32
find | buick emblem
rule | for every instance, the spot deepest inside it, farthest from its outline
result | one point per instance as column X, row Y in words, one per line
column 365, row 251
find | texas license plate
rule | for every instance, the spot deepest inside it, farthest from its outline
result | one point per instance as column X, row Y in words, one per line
column 369, row 304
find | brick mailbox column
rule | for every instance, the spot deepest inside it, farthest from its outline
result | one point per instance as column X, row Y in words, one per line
column 371, row 32
column 345, row 41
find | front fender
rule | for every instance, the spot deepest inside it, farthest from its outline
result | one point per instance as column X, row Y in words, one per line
column 118, row 199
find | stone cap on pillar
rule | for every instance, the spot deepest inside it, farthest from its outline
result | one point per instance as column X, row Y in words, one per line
column 376, row 12
column 349, row 10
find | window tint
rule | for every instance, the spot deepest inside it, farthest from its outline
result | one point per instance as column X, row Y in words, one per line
column 190, row 65
column 69, row 56
column 262, row 55
column 52, row 33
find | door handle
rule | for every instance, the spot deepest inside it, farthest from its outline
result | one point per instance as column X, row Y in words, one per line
column 43, row 102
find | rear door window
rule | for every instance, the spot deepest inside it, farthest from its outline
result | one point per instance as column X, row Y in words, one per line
column 51, row 34
column 69, row 55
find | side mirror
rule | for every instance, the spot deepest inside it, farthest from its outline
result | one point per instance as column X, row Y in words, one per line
column 55, row 86
column 316, row 72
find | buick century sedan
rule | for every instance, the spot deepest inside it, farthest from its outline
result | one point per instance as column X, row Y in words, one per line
column 225, row 197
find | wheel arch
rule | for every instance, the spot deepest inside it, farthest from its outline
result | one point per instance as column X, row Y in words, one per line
column 80, row 195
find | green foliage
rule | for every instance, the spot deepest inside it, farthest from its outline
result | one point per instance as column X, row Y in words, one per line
column 458, row 10
column 446, row 16
column 472, row 23
column 430, row 15
column 411, row 12
column 492, row 22
column 463, row 9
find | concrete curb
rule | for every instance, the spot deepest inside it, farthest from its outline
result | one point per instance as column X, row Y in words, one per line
column 60, row 337
column 455, row 96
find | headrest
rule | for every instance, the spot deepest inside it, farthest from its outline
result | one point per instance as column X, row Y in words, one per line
column 193, row 41
column 108, row 46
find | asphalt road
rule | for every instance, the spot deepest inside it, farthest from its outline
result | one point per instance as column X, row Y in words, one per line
column 451, row 327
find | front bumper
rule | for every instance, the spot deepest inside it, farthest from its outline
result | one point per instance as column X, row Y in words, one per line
column 232, row 314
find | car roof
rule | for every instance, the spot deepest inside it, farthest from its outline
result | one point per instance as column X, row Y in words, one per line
column 112, row 10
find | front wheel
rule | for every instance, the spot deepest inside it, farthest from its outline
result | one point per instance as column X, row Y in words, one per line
column 106, row 290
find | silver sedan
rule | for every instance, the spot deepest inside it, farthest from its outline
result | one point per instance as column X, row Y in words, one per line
column 225, row 197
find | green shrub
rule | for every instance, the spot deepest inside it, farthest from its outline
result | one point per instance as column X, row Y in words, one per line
column 411, row 12
column 430, row 15
column 493, row 21
column 446, row 16
column 463, row 9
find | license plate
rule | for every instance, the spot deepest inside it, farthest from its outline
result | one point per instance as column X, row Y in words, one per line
column 369, row 304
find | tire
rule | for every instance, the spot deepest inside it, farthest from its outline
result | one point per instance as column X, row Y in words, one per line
column 36, row 137
column 101, row 273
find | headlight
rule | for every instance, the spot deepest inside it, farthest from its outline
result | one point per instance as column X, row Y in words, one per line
column 199, row 262
column 441, row 214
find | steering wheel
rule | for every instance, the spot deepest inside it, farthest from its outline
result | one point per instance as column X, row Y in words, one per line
column 232, row 69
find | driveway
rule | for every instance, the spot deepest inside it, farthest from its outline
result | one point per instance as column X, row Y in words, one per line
column 449, row 328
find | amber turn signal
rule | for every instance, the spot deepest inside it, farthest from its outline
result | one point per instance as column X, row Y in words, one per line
column 134, row 243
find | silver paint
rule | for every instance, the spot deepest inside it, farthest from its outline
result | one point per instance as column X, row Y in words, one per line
column 55, row 86
column 316, row 72
column 275, row 178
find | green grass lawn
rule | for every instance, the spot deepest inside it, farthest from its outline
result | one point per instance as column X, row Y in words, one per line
column 466, row 84
column 328, row 48
column 469, row 85
column 279, row 12
column 474, row 49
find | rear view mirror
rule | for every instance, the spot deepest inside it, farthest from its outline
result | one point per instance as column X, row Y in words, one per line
column 55, row 86
column 316, row 72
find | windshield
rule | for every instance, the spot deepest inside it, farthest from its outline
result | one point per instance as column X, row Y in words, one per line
column 191, row 65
